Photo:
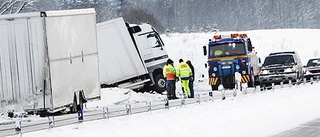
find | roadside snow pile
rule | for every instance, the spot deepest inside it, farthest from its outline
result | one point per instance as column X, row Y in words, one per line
column 115, row 96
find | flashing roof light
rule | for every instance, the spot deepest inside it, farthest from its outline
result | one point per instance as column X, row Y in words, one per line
column 244, row 35
column 233, row 35
column 217, row 36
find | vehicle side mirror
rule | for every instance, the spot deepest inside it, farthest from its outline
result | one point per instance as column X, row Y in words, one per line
column 250, row 48
column 205, row 50
column 150, row 35
column 135, row 29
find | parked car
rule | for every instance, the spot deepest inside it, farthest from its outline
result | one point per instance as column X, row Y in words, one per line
column 312, row 70
column 281, row 67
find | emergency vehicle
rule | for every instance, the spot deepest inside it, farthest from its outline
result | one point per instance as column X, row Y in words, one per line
column 228, row 54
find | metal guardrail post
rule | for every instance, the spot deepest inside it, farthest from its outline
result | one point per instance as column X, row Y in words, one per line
column 281, row 83
column 245, row 89
column 223, row 91
column 106, row 113
column 198, row 98
column 317, row 78
column 51, row 122
column 128, row 107
column 236, row 85
column 304, row 80
column 311, row 80
column 211, row 96
column 272, row 86
column 183, row 101
column 18, row 127
column 234, row 92
column 148, row 103
column 166, row 103
column 290, row 83
column 80, row 115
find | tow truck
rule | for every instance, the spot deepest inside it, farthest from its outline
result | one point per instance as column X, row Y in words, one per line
column 228, row 54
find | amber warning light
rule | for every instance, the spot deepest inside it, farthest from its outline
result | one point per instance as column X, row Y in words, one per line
column 233, row 35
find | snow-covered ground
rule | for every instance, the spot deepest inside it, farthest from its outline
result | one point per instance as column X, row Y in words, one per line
column 256, row 114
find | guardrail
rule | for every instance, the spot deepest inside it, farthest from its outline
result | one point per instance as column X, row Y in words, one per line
column 20, row 126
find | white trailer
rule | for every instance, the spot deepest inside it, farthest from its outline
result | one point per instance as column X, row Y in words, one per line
column 130, row 56
column 47, row 57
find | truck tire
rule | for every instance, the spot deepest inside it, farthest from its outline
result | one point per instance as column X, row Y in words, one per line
column 73, row 107
column 160, row 84
column 252, row 80
column 214, row 87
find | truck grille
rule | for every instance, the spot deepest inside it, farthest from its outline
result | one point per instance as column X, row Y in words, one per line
column 276, row 71
column 315, row 71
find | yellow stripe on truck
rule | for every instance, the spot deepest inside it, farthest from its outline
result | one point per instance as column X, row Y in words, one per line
column 229, row 58
column 213, row 81
column 245, row 78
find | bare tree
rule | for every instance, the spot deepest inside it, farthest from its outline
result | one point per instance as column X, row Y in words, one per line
column 14, row 6
column 141, row 16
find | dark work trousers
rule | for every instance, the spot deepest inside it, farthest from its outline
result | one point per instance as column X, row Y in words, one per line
column 171, row 89
column 191, row 88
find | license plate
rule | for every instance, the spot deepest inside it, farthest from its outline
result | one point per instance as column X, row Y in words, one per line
column 277, row 78
column 226, row 67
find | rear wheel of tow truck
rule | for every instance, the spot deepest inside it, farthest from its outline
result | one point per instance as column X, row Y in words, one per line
column 160, row 84
column 251, row 82
column 214, row 87
column 262, row 86
column 265, row 86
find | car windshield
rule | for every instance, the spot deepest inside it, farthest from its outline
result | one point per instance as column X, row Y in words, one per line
column 226, row 49
column 313, row 62
column 278, row 60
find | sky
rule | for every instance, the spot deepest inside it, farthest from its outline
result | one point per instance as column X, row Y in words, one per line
column 255, row 114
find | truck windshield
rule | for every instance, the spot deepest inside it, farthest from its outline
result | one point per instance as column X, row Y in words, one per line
column 279, row 60
column 313, row 62
column 226, row 49
column 154, row 39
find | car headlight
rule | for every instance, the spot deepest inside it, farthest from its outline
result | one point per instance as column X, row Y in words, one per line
column 265, row 72
column 237, row 67
column 288, row 70
column 215, row 69
column 244, row 72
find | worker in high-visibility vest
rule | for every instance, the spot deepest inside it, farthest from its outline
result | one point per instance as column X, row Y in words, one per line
column 184, row 72
column 191, row 78
column 169, row 72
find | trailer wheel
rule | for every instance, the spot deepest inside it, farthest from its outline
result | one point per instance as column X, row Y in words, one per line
column 160, row 84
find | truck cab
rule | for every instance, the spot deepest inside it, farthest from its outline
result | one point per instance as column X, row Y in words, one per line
column 131, row 56
column 228, row 54
column 153, row 53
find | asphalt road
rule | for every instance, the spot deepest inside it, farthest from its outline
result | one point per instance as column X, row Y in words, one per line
column 309, row 129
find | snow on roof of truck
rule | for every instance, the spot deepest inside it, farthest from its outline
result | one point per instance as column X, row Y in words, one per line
column 48, row 13
column 70, row 12
column 286, row 52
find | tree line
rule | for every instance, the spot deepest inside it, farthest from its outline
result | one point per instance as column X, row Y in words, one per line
column 189, row 15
